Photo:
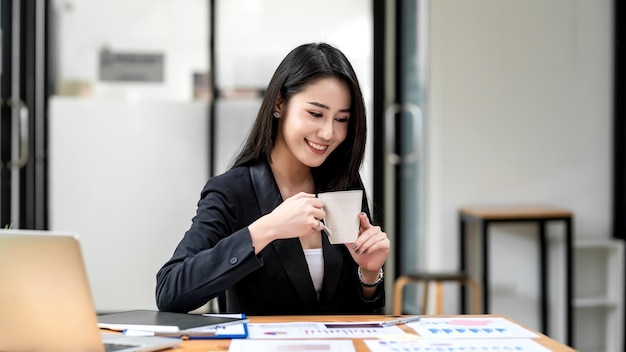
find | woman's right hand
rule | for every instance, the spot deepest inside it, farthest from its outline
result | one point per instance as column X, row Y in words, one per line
column 297, row 216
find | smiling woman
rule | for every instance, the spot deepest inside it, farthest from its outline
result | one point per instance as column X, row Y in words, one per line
column 257, row 236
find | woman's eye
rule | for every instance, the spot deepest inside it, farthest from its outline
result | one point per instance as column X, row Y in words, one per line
column 341, row 119
column 315, row 114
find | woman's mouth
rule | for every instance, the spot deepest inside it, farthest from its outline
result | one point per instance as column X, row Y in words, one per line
column 316, row 146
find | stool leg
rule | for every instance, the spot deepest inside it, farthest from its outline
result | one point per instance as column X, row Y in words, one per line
column 475, row 296
column 425, row 297
column 439, row 297
column 398, row 294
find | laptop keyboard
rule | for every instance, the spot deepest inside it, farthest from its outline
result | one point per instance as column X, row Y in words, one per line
column 110, row 347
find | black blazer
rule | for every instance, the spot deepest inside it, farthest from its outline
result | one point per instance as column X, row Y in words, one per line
column 216, row 257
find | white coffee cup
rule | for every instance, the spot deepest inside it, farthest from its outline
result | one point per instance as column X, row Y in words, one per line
column 342, row 215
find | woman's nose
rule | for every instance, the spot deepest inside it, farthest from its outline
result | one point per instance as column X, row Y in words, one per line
column 326, row 130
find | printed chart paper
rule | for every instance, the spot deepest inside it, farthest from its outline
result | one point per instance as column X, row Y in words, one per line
column 313, row 330
column 291, row 345
column 464, row 328
column 454, row 345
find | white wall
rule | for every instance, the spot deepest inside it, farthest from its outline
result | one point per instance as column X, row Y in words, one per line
column 178, row 29
column 520, row 111
column 254, row 35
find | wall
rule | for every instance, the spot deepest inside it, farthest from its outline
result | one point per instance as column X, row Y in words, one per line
column 520, row 111
column 178, row 29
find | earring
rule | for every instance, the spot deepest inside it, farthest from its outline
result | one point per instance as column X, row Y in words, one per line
column 276, row 115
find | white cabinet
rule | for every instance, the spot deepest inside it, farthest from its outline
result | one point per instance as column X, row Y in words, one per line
column 599, row 295
column 125, row 176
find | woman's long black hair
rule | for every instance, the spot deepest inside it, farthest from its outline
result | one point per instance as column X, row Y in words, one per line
column 302, row 66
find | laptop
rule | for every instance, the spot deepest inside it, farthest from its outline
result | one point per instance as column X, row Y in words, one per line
column 46, row 302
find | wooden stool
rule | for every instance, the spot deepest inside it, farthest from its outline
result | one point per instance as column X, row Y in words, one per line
column 438, row 279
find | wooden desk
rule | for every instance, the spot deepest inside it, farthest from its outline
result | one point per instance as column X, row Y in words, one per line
column 539, row 214
column 360, row 346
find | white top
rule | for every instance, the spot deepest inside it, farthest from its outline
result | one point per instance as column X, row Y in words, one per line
column 315, row 260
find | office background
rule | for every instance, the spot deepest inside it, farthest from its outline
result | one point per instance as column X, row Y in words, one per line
column 519, row 108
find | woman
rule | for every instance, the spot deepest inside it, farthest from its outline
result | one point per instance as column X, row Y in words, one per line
column 256, row 240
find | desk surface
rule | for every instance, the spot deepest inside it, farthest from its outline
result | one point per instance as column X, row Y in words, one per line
column 525, row 211
column 223, row 345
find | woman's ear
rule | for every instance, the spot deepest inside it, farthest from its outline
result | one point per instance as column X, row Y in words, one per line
column 278, row 105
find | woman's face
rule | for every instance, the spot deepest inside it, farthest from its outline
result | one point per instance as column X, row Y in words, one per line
column 315, row 121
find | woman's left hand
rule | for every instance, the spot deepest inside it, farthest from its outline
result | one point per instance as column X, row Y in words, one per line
column 371, row 247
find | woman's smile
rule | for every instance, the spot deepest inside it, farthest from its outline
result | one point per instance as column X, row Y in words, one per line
column 317, row 147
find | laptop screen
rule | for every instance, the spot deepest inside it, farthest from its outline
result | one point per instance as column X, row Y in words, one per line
column 45, row 300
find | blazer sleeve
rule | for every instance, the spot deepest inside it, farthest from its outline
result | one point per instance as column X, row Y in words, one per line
column 216, row 252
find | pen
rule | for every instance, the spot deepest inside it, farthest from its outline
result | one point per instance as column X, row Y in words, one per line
column 401, row 321
column 234, row 322
column 187, row 334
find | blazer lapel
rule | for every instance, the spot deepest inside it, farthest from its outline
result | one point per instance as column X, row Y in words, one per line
column 292, row 259
column 289, row 251
column 265, row 187
column 333, row 266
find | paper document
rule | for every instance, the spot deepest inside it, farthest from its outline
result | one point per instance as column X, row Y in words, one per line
column 231, row 331
column 464, row 328
column 314, row 330
column 460, row 345
column 292, row 345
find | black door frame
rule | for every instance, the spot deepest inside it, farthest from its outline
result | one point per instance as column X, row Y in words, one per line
column 25, row 91
column 619, row 128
